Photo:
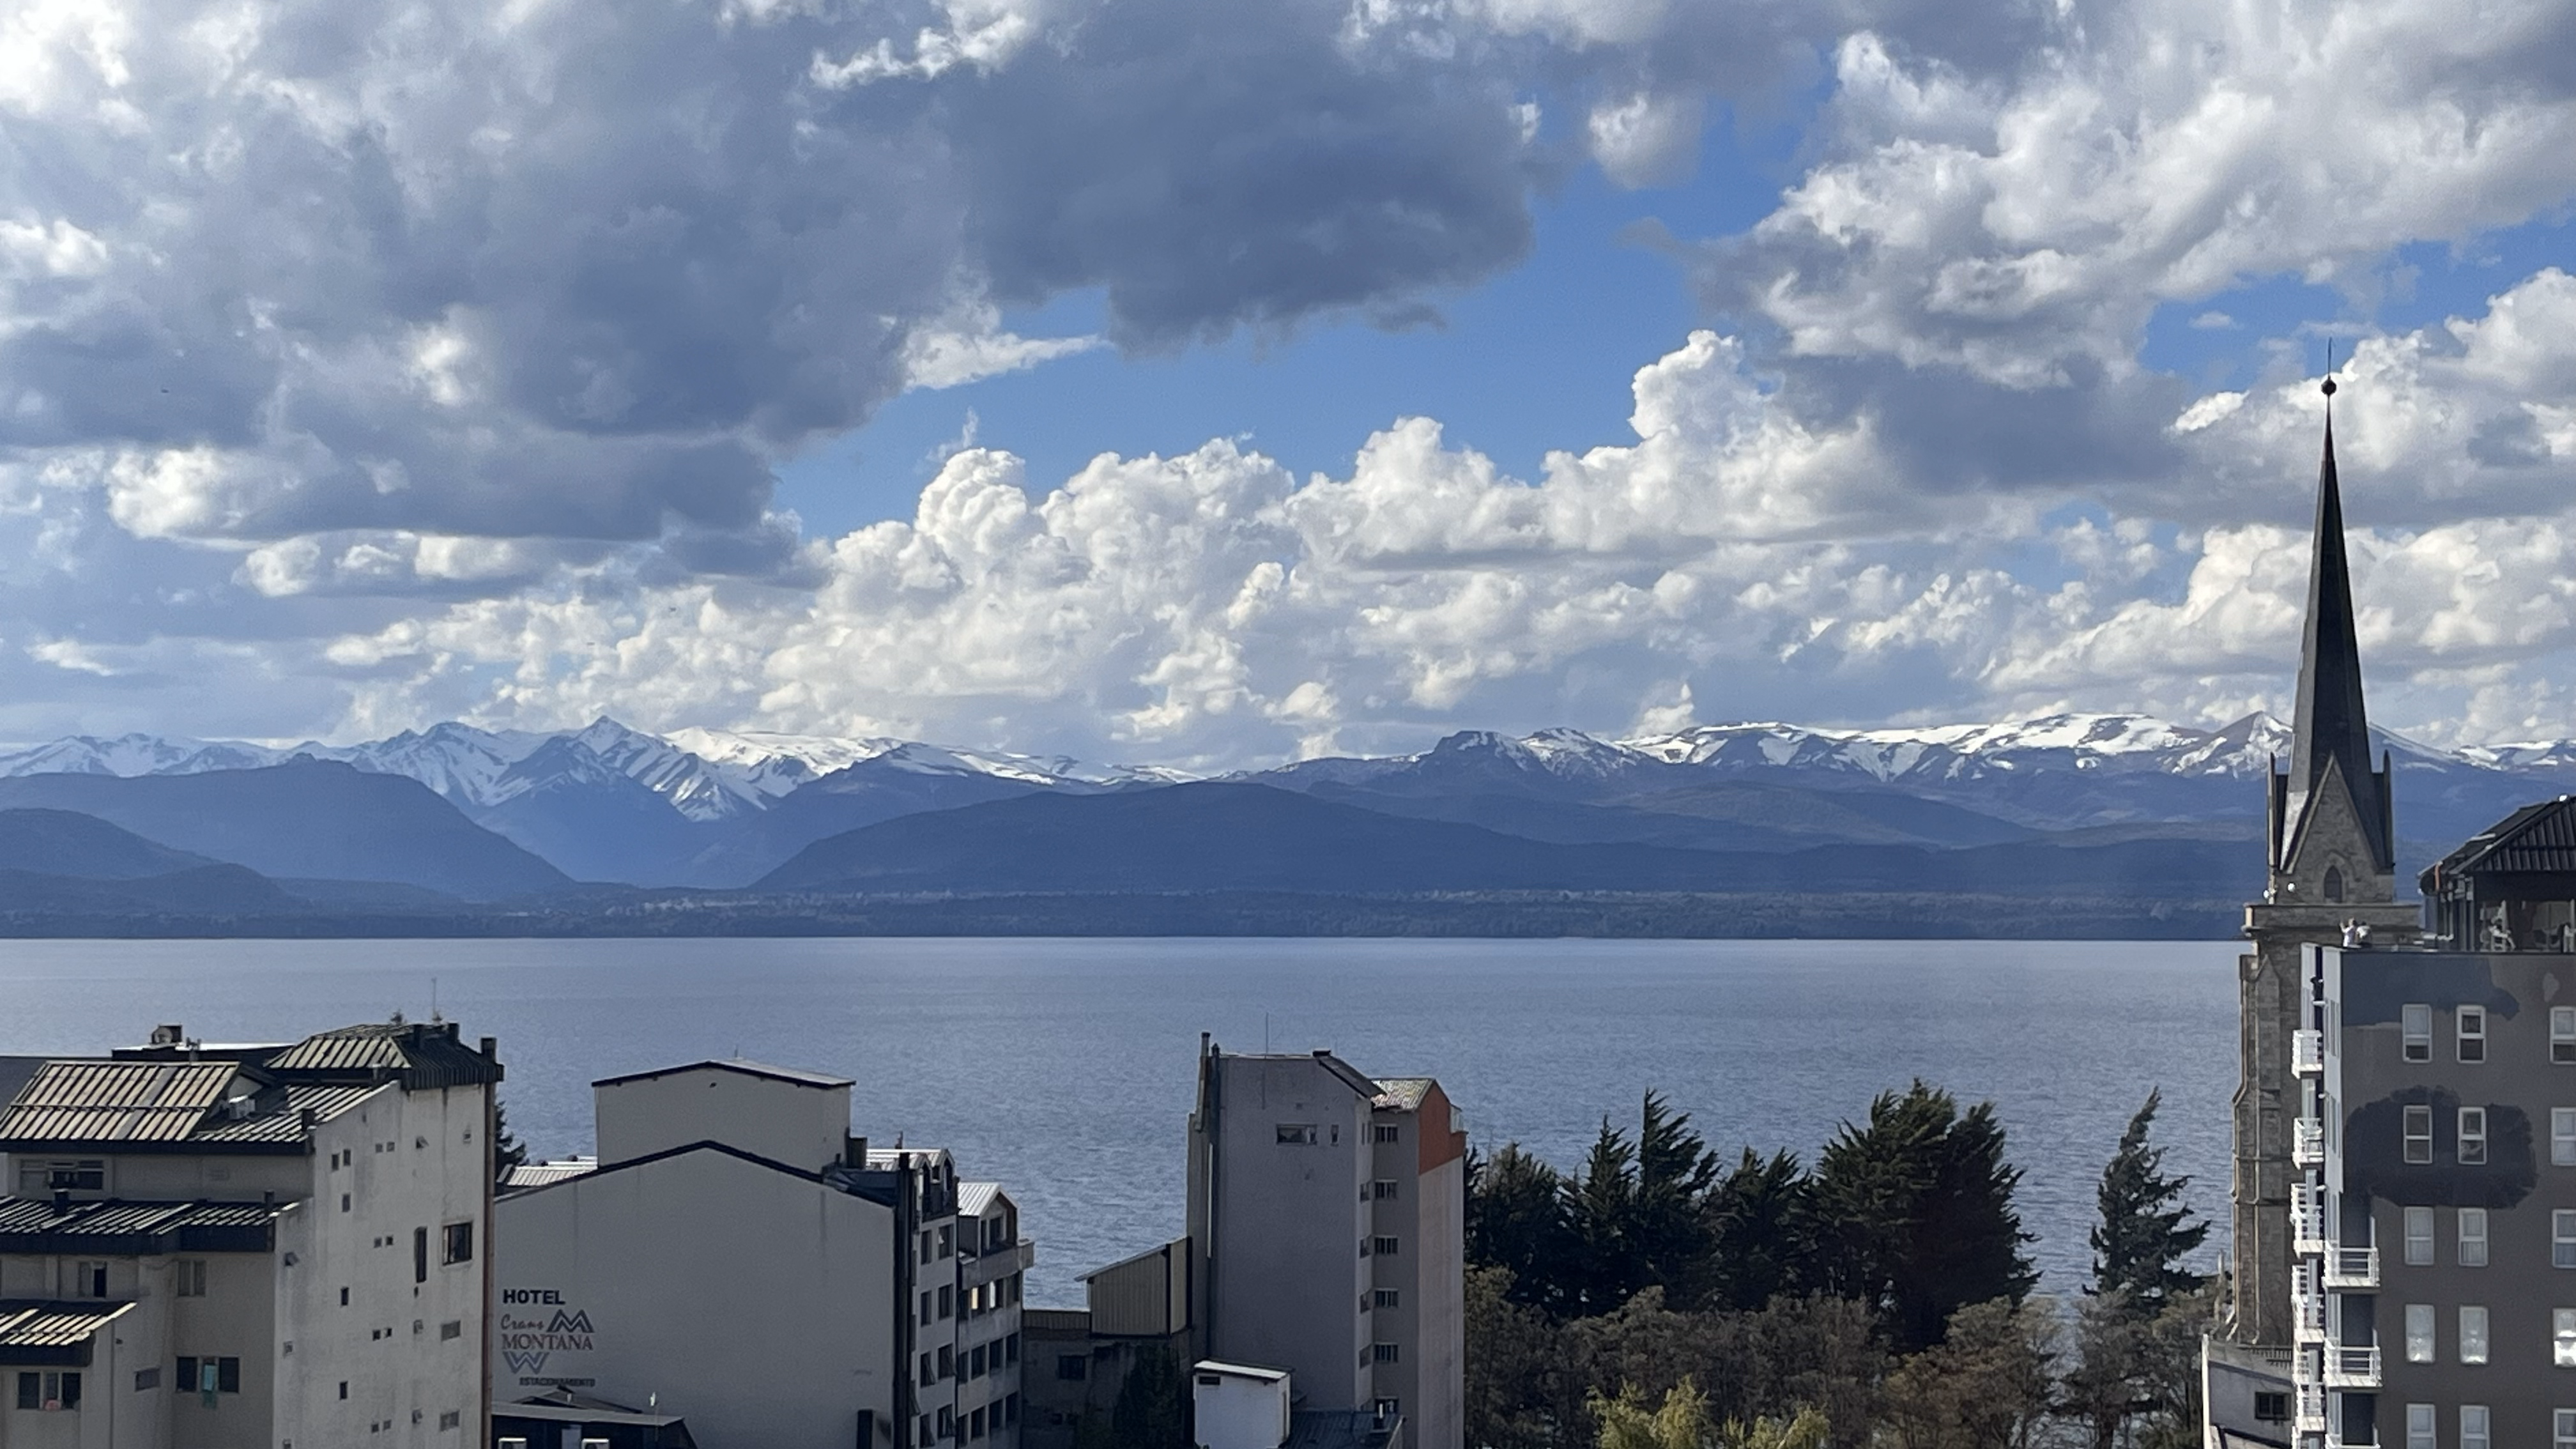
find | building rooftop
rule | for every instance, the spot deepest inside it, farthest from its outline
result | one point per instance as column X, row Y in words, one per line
column 543, row 1174
column 424, row 1055
column 1239, row 1370
column 2534, row 840
column 114, row 1102
column 115, row 1226
column 1404, row 1094
column 790, row 1075
column 974, row 1199
column 39, row 1332
column 1340, row 1429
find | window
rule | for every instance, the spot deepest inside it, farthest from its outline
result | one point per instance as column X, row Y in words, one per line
column 2418, row 1027
column 1011, row 1346
column 1383, row 1352
column 1364, row 1247
column 947, row 1361
column 190, row 1276
column 2562, row 1035
column 2419, row 1134
column 1385, row 1132
column 216, row 1376
column 2473, row 1334
column 227, row 1375
column 2473, row 1136
column 89, row 1280
column 947, row 1423
column 452, row 1328
column 926, row 1302
column 457, row 1245
column 2419, row 1333
column 420, row 1255
column 928, row 1375
column 2562, row 1136
column 2473, row 1237
column 2562, row 1239
column 947, row 1241
column 947, row 1301
column 2472, row 1022
column 1387, row 1409
column 35, row 1179
column 975, row 1362
column 1072, row 1367
column 1383, row 1189
column 2419, row 1237
column 2419, row 1427
column 2562, row 1337
column 2272, row 1406
column 975, row 1424
column 453, row 1418
column 2473, row 1426
column 1385, row 1246
column 1388, row 1298
column 49, row 1391
column 1296, row 1134
column 1010, row 1408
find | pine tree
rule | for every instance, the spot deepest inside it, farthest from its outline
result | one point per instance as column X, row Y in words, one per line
column 1914, row 1213
column 1600, row 1272
column 1757, row 1232
column 507, row 1151
column 2146, row 1229
column 1668, row 1226
column 1516, row 1221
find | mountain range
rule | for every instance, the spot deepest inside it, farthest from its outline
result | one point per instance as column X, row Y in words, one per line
column 2102, row 806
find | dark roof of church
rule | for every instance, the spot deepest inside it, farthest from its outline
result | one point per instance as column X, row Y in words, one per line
column 2332, row 729
column 2532, row 840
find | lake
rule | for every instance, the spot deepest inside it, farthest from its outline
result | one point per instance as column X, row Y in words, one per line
column 1065, row 1068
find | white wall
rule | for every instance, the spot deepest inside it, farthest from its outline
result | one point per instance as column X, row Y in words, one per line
column 802, row 1126
column 1235, row 1412
column 1289, row 1220
column 755, row 1303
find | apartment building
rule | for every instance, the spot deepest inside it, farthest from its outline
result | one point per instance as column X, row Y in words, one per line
column 735, row 1256
column 1327, row 1235
column 248, row 1247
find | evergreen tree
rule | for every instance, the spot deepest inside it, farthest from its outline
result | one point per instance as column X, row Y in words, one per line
column 1757, row 1232
column 1600, row 1272
column 1668, row 1226
column 507, row 1151
column 1516, row 1221
column 1914, row 1213
column 2146, row 1229
column 1153, row 1406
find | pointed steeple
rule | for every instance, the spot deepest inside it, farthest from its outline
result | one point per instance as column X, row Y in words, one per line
column 2331, row 728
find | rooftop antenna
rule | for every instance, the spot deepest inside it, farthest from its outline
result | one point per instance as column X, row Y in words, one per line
column 433, row 1002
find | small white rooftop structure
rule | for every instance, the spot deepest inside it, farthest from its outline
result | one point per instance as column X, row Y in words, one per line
column 1239, row 1406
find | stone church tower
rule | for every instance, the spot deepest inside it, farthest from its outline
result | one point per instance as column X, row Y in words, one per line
column 2333, row 868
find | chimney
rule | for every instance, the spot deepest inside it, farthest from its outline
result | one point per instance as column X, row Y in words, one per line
column 854, row 1152
column 491, row 1049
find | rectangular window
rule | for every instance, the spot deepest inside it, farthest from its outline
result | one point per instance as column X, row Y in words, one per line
column 2419, row 1237
column 147, row 1379
column 947, row 1241
column 2419, row 1333
column 1072, row 1367
column 929, row 1375
column 1296, row 1134
column 1384, row 1352
column 2418, row 1124
column 2473, row 1237
column 227, row 1375
column 1387, row 1409
column 975, row 1424
column 2473, row 1136
column 2563, row 1435
column 2562, row 1136
column 1388, row 1298
column 2472, row 1022
column 2562, row 1337
column 453, row 1418
column 2473, row 1426
column 1385, row 1132
column 191, row 1275
column 452, row 1328
column 89, row 1280
column 2562, row 1238
column 457, row 1245
column 1385, row 1246
column 2473, row 1334
column 2419, row 1427
column 2562, row 1035
column 1382, row 1189
column 947, row 1301
column 926, row 1302
column 31, row 1390
column 925, row 1245
column 2418, row 1019
column 420, row 1255
column 947, row 1361
column 975, row 1362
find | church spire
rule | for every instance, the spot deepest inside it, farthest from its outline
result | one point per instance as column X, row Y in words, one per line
column 2332, row 731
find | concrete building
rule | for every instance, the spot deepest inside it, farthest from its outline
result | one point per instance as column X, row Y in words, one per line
column 1327, row 1235
column 736, row 1257
column 249, row 1247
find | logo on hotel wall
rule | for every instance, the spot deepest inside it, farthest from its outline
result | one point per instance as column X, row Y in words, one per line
column 534, row 1325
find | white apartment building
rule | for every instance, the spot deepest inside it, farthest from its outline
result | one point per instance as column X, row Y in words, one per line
column 253, row 1247
column 1327, row 1215
column 736, row 1257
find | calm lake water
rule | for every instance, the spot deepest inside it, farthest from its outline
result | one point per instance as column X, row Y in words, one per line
column 1064, row 1068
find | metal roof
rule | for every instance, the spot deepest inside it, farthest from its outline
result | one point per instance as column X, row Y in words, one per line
column 1261, row 1372
column 1404, row 1094
column 105, row 1102
column 114, row 1226
column 542, row 1174
column 424, row 1054
column 36, row 1324
column 2536, row 839
column 282, row 1117
column 790, row 1075
column 973, row 1198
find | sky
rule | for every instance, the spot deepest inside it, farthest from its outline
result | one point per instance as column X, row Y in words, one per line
column 1212, row 383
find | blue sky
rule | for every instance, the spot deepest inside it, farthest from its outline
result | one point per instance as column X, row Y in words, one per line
column 743, row 364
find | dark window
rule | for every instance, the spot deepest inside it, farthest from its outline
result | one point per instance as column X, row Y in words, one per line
column 1384, row 1352
column 1385, row 1132
column 1012, row 1345
column 975, row 1362
column 927, row 1376
column 146, row 1379
column 420, row 1255
column 947, row 1301
column 2271, row 1407
column 452, row 1328
column 453, row 1418
column 975, row 1425
column 344, row 1388
column 459, row 1245
column 31, row 1391
column 1011, row 1409
column 228, row 1376
column 1384, row 1247
column 1212, row 1381
column 1072, row 1367
column 344, row 1297
column 947, row 1361
column 2334, row 883
column 1296, row 1134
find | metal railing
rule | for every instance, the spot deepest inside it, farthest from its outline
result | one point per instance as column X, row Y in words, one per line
column 2349, row 1268
column 2352, row 1368
column 2308, row 1052
column 2308, row 1221
column 2308, row 1143
column 2310, row 1414
column 2307, row 1316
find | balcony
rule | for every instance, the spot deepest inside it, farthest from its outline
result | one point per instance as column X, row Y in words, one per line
column 2308, row 1222
column 2352, row 1368
column 2348, row 1269
column 2308, row 1143
column 2307, row 1316
column 2308, row 1053
column 2310, row 1415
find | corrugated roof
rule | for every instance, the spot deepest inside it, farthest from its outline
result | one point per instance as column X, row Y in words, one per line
column 30, row 1224
column 791, row 1075
column 424, row 1054
column 106, row 1102
column 2535, row 839
column 282, row 1120
column 973, row 1198
column 1404, row 1094
column 36, row 1324
column 541, row 1174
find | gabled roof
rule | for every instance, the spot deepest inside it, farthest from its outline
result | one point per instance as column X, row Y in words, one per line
column 106, row 1103
column 2536, row 839
column 1404, row 1094
column 789, row 1075
column 423, row 1055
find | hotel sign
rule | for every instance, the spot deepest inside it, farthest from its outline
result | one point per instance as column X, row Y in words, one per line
column 535, row 1327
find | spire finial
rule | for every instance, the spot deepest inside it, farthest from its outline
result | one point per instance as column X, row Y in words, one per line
column 2329, row 388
